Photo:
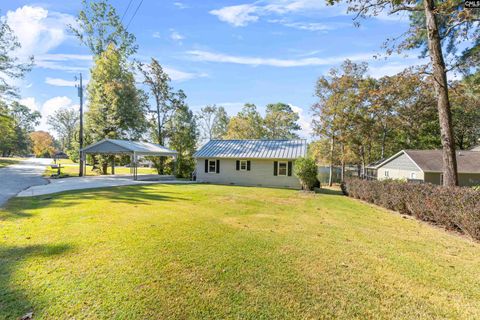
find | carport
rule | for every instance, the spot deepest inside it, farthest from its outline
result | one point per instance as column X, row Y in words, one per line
column 125, row 147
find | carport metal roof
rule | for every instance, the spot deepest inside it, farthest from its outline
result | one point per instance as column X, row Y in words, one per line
column 139, row 148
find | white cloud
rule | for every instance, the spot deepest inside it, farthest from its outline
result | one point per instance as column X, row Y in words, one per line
column 180, row 5
column 304, row 121
column 30, row 103
column 176, row 36
column 238, row 16
column 37, row 29
column 51, row 106
column 156, row 35
column 275, row 62
column 48, row 108
column 309, row 26
column 64, row 62
column 178, row 75
column 242, row 15
column 392, row 67
column 60, row 82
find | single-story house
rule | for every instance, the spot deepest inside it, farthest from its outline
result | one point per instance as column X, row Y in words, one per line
column 427, row 166
column 250, row 162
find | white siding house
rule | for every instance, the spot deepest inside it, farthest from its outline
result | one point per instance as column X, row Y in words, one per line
column 250, row 162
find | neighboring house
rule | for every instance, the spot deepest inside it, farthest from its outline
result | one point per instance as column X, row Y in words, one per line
column 477, row 148
column 250, row 162
column 427, row 166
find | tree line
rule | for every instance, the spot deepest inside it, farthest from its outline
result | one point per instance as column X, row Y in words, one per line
column 357, row 118
column 360, row 119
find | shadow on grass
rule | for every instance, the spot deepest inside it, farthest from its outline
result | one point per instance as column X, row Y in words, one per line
column 330, row 192
column 136, row 194
column 13, row 300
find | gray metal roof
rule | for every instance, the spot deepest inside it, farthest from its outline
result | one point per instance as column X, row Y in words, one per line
column 253, row 149
column 112, row 146
column 432, row 161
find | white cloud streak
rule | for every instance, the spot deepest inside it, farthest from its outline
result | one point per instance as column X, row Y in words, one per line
column 58, row 82
column 274, row 62
column 242, row 15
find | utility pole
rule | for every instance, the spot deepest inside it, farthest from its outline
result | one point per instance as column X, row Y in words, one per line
column 80, row 95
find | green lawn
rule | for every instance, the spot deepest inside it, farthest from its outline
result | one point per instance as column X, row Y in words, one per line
column 218, row 252
column 70, row 169
column 8, row 161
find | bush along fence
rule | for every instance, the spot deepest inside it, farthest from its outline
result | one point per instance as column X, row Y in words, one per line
column 455, row 208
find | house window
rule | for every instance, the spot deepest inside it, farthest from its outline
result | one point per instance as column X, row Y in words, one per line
column 282, row 168
column 387, row 173
column 243, row 165
column 413, row 175
column 212, row 166
column 441, row 179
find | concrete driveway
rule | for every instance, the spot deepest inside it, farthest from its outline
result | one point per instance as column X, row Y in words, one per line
column 89, row 182
column 18, row 177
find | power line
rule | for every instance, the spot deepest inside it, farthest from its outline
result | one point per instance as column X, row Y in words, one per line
column 126, row 10
column 136, row 10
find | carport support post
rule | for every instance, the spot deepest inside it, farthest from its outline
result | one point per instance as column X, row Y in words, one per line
column 174, row 166
column 113, row 164
column 134, row 166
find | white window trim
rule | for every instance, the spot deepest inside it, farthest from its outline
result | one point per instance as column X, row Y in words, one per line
column 286, row 169
column 214, row 166
column 246, row 165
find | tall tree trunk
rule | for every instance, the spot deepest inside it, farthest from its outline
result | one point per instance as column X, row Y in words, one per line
column 342, row 173
column 450, row 177
column 384, row 138
column 332, row 149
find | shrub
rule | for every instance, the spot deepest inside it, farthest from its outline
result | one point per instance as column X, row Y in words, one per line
column 455, row 208
column 305, row 170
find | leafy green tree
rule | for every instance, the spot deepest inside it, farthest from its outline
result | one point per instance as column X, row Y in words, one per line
column 441, row 29
column 339, row 113
column 7, row 131
column 25, row 121
column 465, row 114
column 281, row 122
column 247, row 124
column 220, row 124
column 98, row 26
column 116, row 106
column 65, row 123
column 183, row 137
column 305, row 169
column 10, row 65
column 158, row 82
column 213, row 122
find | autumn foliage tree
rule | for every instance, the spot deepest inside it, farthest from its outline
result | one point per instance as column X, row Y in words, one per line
column 42, row 144
column 442, row 29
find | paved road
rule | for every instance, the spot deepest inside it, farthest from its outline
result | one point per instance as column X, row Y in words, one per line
column 78, row 183
column 21, row 176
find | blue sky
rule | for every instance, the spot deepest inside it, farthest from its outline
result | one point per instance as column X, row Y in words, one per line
column 219, row 52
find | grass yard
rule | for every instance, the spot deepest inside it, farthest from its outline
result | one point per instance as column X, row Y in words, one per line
column 8, row 161
column 70, row 169
column 218, row 252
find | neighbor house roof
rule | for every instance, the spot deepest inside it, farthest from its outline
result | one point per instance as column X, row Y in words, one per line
column 253, row 149
column 113, row 146
column 432, row 161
